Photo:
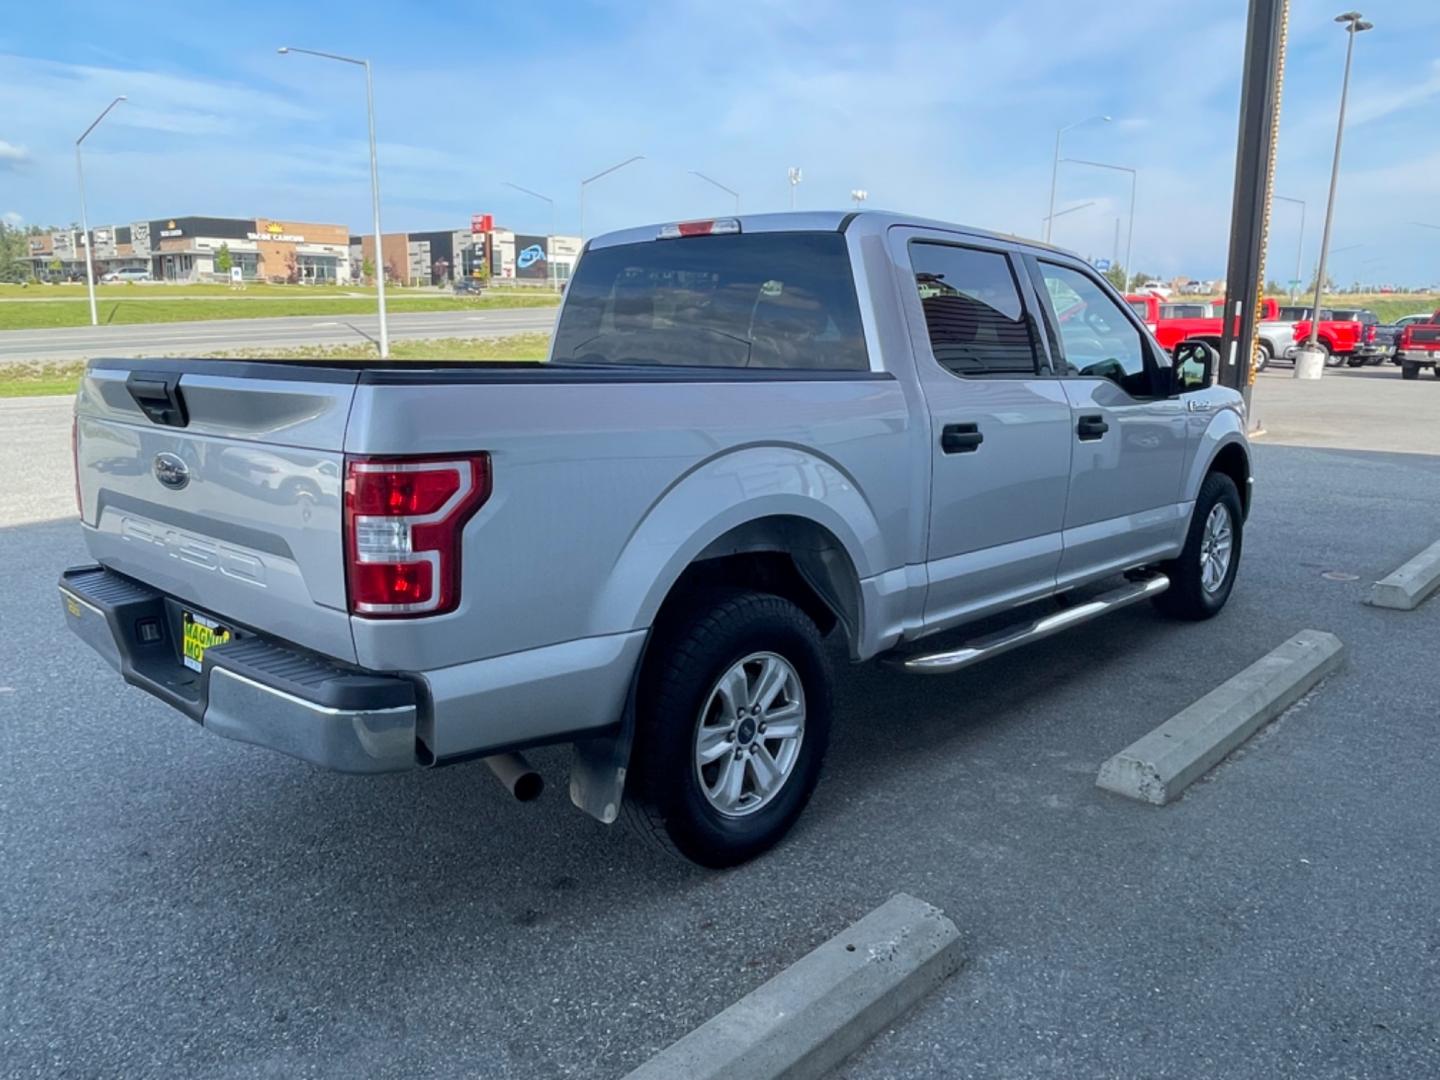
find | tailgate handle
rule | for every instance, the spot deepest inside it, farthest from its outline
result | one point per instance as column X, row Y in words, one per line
column 158, row 397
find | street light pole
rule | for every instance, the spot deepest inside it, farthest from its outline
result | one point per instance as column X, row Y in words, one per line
column 549, row 262
column 1067, row 210
column 374, row 183
column 1055, row 167
column 859, row 195
column 795, row 178
column 1130, row 229
column 1300, row 247
column 597, row 176
column 722, row 187
column 1354, row 24
column 84, row 220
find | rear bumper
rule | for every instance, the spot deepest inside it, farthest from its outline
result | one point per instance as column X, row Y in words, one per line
column 251, row 689
column 1417, row 356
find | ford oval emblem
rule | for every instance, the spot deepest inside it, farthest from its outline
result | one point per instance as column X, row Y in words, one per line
column 171, row 471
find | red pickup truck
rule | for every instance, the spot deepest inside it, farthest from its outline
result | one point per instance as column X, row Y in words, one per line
column 1419, row 347
column 1348, row 336
column 1174, row 322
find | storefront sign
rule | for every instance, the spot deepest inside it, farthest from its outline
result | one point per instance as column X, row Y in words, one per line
column 482, row 223
column 276, row 231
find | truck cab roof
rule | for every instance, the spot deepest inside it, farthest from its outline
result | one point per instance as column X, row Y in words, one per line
column 861, row 222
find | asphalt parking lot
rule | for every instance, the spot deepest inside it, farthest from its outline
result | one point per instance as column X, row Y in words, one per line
column 173, row 904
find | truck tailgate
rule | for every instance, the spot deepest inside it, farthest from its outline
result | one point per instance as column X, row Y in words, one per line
column 237, row 510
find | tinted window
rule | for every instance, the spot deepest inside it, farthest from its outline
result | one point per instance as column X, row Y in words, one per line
column 772, row 300
column 972, row 310
column 1140, row 307
column 1096, row 337
column 1184, row 311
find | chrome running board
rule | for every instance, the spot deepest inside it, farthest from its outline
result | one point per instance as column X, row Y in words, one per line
column 1002, row 641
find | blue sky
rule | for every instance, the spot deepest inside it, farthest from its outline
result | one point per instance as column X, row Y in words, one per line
column 943, row 109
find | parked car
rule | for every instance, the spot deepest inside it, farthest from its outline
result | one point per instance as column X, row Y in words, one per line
column 1276, row 335
column 1349, row 336
column 1395, row 329
column 751, row 433
column 129, row 273
column 1418, row 347
column 469, row 286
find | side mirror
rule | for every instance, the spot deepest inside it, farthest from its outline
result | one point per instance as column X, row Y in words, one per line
column 1194, row 365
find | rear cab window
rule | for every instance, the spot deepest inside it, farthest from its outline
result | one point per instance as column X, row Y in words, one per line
column 783, row 300
column 973, row 311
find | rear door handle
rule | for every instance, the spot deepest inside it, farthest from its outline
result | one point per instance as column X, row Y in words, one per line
column 960, row 438
column 1091, row 427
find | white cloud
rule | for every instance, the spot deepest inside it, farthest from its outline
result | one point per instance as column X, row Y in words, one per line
column 12, row 156
column 13, row 218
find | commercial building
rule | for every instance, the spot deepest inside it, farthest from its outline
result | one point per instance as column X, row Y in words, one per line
column 186, row 249
column 437, row 258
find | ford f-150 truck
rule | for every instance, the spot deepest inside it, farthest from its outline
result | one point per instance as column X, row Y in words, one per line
column 750, row 434
column 1419, row 347
column 1347, row 336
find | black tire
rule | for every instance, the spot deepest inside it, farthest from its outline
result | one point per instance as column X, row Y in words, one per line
column 1355, row 361
column 1435, row 371
column 684, row 664
column 1266, row 355
column 1187, row 597
column 1409, row 370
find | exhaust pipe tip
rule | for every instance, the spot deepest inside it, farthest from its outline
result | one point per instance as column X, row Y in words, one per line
column 518, row 776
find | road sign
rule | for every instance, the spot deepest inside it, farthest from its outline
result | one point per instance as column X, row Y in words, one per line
column 1102, row 264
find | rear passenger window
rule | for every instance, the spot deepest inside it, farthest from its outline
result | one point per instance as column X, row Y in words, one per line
column 972, row 310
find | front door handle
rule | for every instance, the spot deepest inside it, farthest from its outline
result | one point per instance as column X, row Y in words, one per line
column 960, row 438
column 1091, row 427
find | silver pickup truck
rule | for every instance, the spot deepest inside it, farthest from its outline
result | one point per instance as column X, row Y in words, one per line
column 750, row 434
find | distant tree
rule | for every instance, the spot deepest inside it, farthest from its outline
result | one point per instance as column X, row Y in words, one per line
column 56, row 267
column 12, row 254
column 224, row 260
column 1329, row 284
column 1273, row 288
column 1146, row 279
column 1116, row 276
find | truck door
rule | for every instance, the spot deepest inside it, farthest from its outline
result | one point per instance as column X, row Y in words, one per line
column 1000, row 425
column 1128, row 435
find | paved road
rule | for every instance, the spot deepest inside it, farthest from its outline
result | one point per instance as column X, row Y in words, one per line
column 199, row 338
column 173, row 904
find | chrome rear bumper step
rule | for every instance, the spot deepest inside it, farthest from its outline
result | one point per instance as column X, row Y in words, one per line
column 1002, row 641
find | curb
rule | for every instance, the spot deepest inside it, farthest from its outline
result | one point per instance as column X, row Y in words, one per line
column 1157, row 767
column 823, row 1007
column 1406, row 587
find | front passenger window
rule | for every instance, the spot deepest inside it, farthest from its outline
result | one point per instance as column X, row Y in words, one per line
column 1096, row 337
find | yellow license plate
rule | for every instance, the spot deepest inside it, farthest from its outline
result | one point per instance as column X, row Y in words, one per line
column 199, row 633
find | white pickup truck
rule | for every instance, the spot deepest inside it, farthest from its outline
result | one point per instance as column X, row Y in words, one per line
column 750, row 434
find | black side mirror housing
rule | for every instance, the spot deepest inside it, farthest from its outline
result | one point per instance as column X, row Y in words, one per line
column 1194, row 367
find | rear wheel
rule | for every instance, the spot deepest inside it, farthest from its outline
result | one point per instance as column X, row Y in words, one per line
column 1203, row 576
column 1355, row 361
column 732, row 721
column 1266, row 355
column 1410, row 370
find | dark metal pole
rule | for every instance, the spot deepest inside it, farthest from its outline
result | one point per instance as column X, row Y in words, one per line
column 1254, row 165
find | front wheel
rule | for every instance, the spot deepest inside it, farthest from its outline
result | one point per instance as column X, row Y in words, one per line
column 732, row 721
column 1355, row 361
column 1266, row 355
column 1203, row 576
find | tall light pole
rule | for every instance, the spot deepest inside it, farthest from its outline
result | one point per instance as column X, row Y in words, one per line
column 1354, row 24
column 1300, row 247
column 722, row 187
column 597, row 176
column 374, row 183
column 85, row 221
column 1067, row 210
column 1130, row 229
column 795, row 178
column 1055, row 167
column 549, row 263
column 859, row 195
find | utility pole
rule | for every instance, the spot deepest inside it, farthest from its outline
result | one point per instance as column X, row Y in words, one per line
column 84, row 219
column 795, row 179
column 1264, row 66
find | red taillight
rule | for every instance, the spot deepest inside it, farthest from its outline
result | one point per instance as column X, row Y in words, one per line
column 403, row 523
column 75, row 462
column 1370, row 334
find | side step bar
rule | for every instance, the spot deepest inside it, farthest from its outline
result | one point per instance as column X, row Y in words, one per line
column 1002, row 641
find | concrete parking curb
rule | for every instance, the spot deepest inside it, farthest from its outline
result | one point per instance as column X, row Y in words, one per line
column 1405, row 588
column 825, row 1006
column 1157, row 767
